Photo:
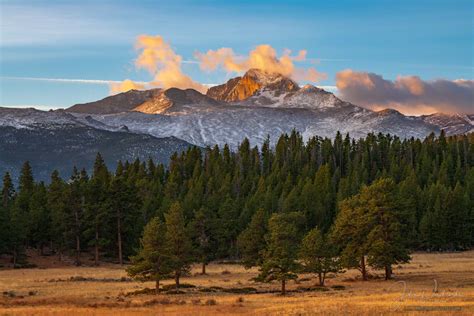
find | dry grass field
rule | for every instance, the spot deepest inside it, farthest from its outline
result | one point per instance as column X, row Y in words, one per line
column 67, row 290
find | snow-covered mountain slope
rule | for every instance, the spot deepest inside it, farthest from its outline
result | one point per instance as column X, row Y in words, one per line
column 229, row 124
column 59, row 140
column 31, row 118
column 256, row 105
column 452, row 124
column 308, row 97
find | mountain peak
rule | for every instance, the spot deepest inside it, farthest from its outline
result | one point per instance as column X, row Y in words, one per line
column 154, row 101
column 264, row 77
column 122, row 102
column 253, row 81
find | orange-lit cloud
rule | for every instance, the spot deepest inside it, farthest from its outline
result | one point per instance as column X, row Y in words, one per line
column 410, row 94
column 164, row 65
column 262, row 57
column 124, row 86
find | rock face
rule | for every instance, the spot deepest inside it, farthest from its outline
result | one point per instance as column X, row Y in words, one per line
column 254, row 80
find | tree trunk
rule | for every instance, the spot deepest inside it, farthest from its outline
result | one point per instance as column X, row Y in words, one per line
column 157, row 287
column 388, row 272
column 119, row 239
column 78, row 250
column 283, row 287
column 363, row 269
column 203, row 268
column 78, row 239
column 96, row 246
column 321, row 279
column 176, row 279
column 14, row 257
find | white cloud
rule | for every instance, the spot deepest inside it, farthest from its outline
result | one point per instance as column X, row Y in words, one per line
column 36, row 106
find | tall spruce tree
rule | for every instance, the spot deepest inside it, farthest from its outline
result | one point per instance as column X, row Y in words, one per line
column 124, row 207
column 7, row 198
column 178, row 243
column 203, row 234
column 19, row 219
column 57, row 205
column 280, row 259
column 251, row 241
column 153, row 260
column 318, row 255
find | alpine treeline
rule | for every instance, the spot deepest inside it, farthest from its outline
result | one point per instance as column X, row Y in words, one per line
column 373, row 198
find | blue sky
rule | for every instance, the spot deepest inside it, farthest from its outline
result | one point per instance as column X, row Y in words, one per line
column 93, row 40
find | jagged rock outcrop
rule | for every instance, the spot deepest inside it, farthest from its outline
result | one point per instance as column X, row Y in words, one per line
column 241, row 88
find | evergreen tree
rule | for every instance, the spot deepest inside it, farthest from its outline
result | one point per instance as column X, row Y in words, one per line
column 280, row 259
column 178, row 242
column 39, row 218
column 7, row 198
column 318, row 256
column 153, row 260
column 96, row 208
column 203, row 233
column 8, row 191
column 349, row 233
column 75, row 211
column 124, row 206
column 57, row 205
column 386, row 244
column 323, row 198
column 251, row 241
column 19, row 220
column 368, row 224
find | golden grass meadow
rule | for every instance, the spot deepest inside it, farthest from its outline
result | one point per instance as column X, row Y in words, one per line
column 438, row 283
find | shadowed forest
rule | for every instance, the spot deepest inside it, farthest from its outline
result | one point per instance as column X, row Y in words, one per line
column 317, row 207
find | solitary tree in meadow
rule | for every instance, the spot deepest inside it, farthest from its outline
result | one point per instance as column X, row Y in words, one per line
column 153, row 262
column 280, row 259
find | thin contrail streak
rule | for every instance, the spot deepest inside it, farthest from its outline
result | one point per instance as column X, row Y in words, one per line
column 89, row 81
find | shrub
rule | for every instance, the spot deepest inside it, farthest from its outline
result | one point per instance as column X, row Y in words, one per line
column 211, row 302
